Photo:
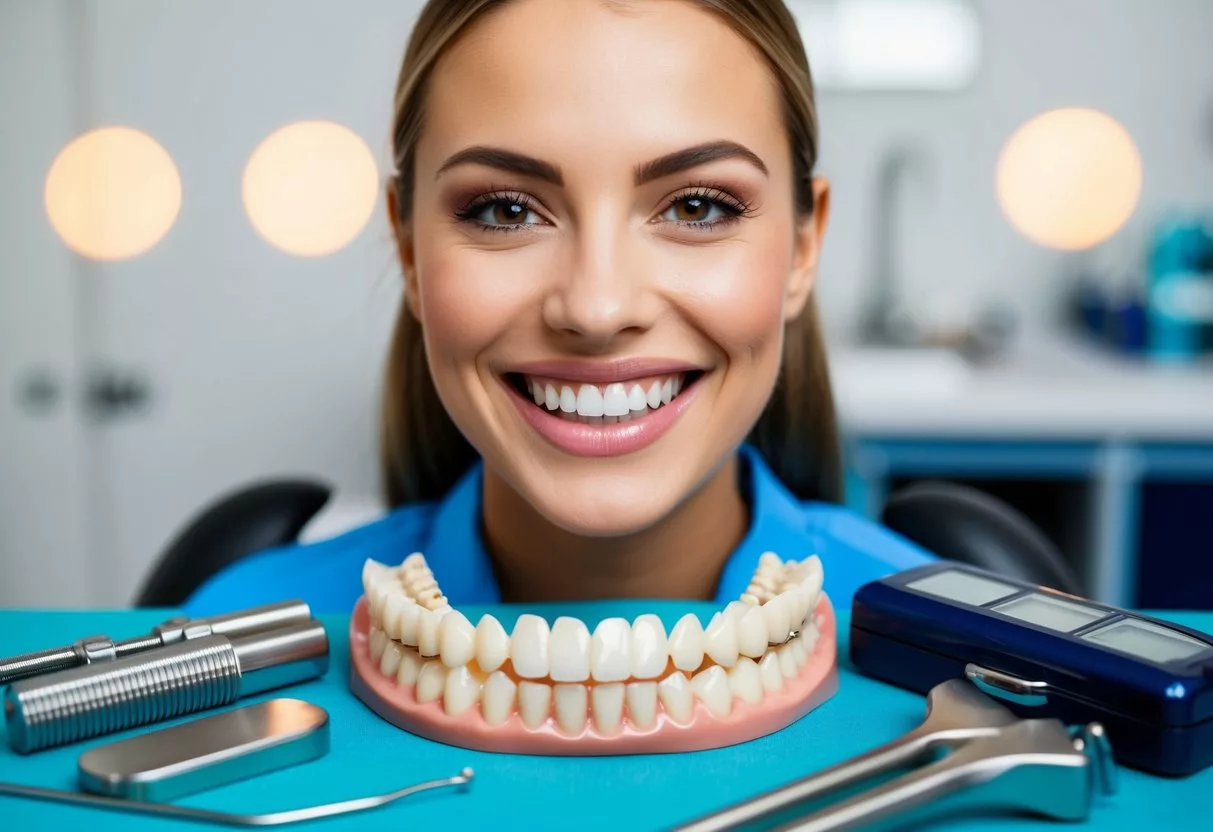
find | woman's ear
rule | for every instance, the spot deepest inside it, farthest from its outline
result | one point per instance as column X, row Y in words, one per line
column 810, row 232
column 404, row 249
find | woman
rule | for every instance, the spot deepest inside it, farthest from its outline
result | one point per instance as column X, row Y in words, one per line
column 607, row 378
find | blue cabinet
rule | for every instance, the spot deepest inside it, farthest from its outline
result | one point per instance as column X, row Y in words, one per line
column 1134, row 518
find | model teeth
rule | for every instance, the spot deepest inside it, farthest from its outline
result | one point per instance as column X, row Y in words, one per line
column 497, row 698
column 622, row 673
column 607, row 403
column 607, row 708
column 686, row 643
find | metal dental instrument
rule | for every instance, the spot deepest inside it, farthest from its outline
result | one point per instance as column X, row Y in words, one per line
column 168, row 810
column 993, row 749
column 93, row 649
column 193, row 675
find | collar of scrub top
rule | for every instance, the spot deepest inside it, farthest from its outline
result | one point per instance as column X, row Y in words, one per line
column 462, row 568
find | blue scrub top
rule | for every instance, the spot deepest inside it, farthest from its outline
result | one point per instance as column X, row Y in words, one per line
column 328, row 574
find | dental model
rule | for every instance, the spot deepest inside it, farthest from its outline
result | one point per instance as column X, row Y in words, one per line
column 627, row 687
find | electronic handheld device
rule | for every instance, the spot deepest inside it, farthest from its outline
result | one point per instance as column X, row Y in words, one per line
column 1046, row 654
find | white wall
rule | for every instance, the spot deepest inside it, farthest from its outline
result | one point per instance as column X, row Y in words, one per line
column 234, row 366
column 1147, row 64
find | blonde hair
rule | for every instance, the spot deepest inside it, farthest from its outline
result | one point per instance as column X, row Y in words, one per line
column 423, row 453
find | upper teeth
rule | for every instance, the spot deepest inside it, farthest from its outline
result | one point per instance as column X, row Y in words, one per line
column 617, row 399
column 417, row 639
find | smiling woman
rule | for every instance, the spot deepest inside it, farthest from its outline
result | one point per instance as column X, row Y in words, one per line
column 606, row 382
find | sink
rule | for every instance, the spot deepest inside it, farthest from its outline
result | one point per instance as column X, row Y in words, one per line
column 874, row 374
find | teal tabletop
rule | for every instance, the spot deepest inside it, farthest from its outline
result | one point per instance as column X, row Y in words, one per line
column 369, row 756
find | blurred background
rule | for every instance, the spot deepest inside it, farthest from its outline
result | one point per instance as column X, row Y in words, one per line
column 197, row 279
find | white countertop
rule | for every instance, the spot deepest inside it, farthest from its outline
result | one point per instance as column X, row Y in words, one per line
column 1046, row 387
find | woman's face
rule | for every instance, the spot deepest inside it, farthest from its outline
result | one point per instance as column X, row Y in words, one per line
column 603, row 251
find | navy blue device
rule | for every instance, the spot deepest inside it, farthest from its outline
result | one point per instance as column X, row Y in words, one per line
column 1045, row 654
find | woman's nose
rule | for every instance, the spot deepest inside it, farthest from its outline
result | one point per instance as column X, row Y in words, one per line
column 606, row 291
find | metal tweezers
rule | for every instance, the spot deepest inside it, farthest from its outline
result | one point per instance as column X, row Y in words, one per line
column 997, row 761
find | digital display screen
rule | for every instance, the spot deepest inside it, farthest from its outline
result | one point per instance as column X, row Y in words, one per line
column 956, row 585
column 1147, row 641
column 1050, row 612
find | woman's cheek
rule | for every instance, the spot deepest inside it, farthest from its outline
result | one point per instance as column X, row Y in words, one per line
column 737, row 297
column 471, row 297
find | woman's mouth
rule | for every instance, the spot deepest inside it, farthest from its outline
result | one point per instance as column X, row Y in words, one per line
column 603, row 417
column 602, row 404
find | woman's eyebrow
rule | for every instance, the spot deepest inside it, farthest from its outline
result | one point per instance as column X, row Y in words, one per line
column 667, row 165
column 690, row 157
column 507, row 160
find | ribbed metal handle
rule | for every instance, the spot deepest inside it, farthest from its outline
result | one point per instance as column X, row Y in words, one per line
column 93, row 700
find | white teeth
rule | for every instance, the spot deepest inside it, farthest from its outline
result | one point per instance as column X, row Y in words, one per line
column 568, row 400
column 377, row 641
column 410, row 618
column 787, row 661
column 427, row 632
column 637, row 401
column 589, row 401
column 534, row 703
column 720, row 640
column 611, row 651
column 572, row 702
column 529, row 647
column 431, row 681
column 650, row 648
column 538, row 394
column 462, row 691
column 796, row 648
column 615, row 401
column 809, row 637
column 653, row 398
column 642, row 703
column 779, row 619
column 414, row 561
column 410, row 669
column 745, row 681
column 667, row 391
column 569, row 650
column 686, row 643
column 393, row 605
column 456, row 639
column 607, row 707
column 492, row 644
column 677, row 386
column 675, row 694
column 752, row 633
column 772, row 676
column 390, row 662
column 497, row 698
column 711, row 687
column 551, row 399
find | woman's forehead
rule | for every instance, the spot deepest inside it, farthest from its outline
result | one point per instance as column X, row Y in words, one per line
column 602, row 80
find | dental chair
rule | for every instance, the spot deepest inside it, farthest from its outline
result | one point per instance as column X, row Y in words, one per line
column 952, row 521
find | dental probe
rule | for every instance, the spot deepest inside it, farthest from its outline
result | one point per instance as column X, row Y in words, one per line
column 169, row 810
column 103, row 648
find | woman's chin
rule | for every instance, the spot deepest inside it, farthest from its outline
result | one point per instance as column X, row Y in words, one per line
column 606, row 511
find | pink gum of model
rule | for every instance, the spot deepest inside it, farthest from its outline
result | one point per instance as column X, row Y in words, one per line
column 815, row 684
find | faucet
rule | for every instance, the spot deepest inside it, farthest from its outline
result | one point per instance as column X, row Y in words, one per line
column 883, row 320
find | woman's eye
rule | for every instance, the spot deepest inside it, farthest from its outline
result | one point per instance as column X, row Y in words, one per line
column 504, row 212
column 697, row 210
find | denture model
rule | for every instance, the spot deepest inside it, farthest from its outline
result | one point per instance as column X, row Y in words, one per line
column 626, row 688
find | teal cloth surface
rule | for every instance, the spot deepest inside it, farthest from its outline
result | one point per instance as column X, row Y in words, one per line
column 636, row 793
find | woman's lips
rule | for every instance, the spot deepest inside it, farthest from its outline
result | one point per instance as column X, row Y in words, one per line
column 617, row 434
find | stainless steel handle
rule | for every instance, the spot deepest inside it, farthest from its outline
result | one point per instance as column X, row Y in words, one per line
column 120, row 804
column 1007, row 687
column 1032, row 765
